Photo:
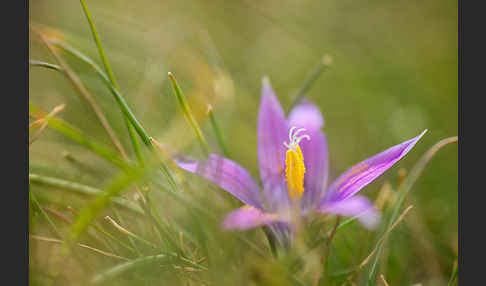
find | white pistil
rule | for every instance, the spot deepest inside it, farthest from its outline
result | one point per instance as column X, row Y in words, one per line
column 294, row 139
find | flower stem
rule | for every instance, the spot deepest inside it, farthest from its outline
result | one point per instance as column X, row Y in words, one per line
column 323, row 64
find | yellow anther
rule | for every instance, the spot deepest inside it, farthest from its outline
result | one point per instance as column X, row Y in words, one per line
column 294, row 172
column 294, row 164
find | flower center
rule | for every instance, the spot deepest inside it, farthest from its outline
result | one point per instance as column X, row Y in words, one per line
column 294, row 163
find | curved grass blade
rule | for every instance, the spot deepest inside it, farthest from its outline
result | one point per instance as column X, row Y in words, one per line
column 36, row 63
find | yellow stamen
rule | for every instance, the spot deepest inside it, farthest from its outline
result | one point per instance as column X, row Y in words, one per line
column 294, row 163
column 294, row 172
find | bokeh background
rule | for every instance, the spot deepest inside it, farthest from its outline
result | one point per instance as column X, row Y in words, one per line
column 393, row 74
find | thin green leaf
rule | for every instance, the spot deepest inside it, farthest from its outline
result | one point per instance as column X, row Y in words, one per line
column 44, row 214
column 37, row 63
column 76, row 135
column 109, row 71
column 82, row 189
column 90, row 212
column 217, row 132
column 124, row 107
column 126, row 266
column 186, row 110
column 453, row 276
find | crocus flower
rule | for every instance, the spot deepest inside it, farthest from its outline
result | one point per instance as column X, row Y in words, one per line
column 294, row 166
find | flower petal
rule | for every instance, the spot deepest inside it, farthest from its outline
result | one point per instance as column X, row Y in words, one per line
column 276, row 196
column 307, row 115
column 357, row 206
column 272, row 132
column 226, row 174
column 360, row 175
column 247, row 217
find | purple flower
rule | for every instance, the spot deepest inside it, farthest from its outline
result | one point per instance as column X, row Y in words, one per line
column 294, row 166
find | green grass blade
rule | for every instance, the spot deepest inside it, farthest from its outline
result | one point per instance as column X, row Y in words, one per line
column 44, row 214
column 126, row 266
column 186, row 110
column 89, row 213
column 75, row 135
column 163, row 228
column 202, row 210
column 217, row 132
column 98, row 42
column 346, row 222
column 402, row 193
column 130, row 239
column 124, row 107
column 453, row 276
column 113, row 238
column 37, row 63
column 85, row 94
column 111, row 76
column 118, row 97
column 82, row 189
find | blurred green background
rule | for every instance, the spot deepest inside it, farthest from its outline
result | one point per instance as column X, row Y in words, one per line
column 394, row 74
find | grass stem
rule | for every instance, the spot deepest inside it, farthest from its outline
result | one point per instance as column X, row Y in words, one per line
column 186, row 110
column 36, row 63
column 111, row 76
column 323, row 64
column 217, row 132
column 82, row 189
column 77, row 83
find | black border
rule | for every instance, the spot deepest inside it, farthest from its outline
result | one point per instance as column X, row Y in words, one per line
column 471, row 191
column 14, row 203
